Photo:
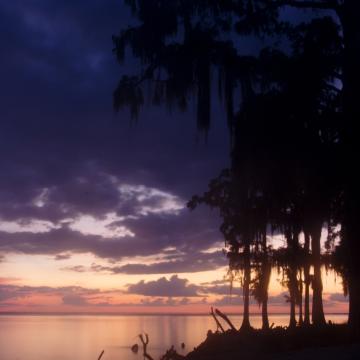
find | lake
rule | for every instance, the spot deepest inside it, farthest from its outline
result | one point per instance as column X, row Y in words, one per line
column 83, row 337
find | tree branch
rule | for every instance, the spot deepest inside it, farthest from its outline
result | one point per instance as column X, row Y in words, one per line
column 223, row 316
column 145, row 342
column 219, row 326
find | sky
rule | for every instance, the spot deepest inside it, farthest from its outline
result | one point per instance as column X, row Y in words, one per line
column 93, row 214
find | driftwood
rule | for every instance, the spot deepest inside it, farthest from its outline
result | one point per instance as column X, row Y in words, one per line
column 145, row 341
column 102, row 353
column 219, row 326
column 223, row 316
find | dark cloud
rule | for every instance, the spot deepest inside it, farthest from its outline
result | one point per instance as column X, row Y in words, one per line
column 64, row 154
column 13, row 292
column 163, row 287
column 184, row 263
column 153, row 234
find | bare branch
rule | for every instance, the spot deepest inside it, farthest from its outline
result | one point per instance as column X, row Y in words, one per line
column 219, row 326
column 223, row 316
column 145, row 342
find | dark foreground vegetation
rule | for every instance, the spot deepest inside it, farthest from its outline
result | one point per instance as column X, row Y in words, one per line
column 270, row 344
column 331, row 340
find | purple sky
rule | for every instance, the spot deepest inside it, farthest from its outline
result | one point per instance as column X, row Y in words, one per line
column 84, row 190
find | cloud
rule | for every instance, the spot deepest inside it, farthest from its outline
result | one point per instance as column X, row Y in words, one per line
column 143, row 200
column 78, row 179
column 223, row 281
column 183, row 263
column 236, row 298
column 109, row 226
column 75, row 268
column 163, row 287
column 278, row 299
column 189, row 233
column 26, row 226
column 15, row 292
column 159, row 302
column 170, row 301
column 74, row 299
column 60, row 257
column 8, row 292
column 228, row 301
column 338, row 297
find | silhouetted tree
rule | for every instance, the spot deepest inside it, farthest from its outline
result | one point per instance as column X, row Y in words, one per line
column 298, row 109
column 307, row 280
column 262, row 267
column 234, row 206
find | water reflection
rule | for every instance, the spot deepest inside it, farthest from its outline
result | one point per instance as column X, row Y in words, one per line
column 83, row 337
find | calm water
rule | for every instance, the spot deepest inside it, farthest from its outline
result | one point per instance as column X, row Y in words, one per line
column 83, row 337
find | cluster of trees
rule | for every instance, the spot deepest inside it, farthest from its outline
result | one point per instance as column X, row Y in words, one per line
column 291, row 106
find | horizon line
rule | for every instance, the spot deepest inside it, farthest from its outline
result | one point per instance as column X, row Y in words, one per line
column 49, row 313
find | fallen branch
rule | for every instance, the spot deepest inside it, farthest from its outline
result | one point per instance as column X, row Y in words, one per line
column 145, row 342
column 223, row 316
column 219, row 326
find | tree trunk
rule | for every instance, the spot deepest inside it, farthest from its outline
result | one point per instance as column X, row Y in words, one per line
column 301, row 319
column 349, row 16
column 264, row 308
column 264, row 315
column 266, row 274
column 318, row 317
column 354, row 310
column 291, row 273
column 307, row 280
column 246, row 288
column 292, row 291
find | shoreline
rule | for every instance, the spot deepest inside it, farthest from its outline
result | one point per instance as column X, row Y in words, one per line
column 308, row 342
